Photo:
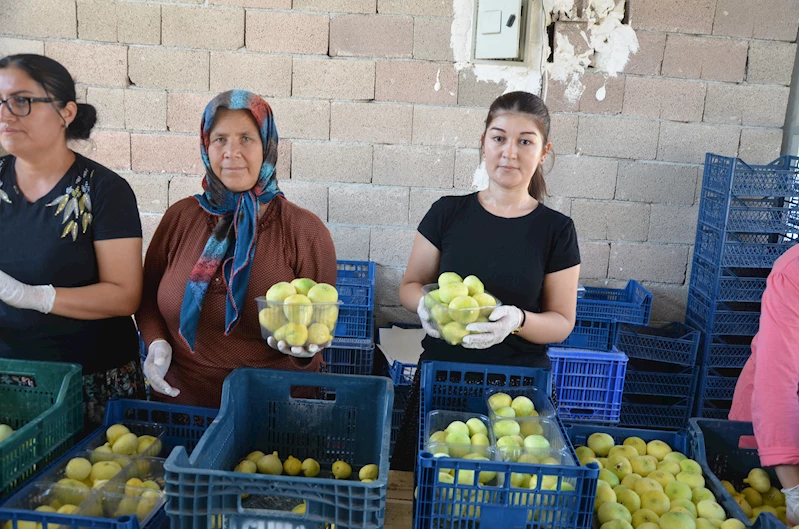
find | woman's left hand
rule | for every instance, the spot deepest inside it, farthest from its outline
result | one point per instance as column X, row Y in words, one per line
column 503, row 320
column 299, row 352
column 22, row 296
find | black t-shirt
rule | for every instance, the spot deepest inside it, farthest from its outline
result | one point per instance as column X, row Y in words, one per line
column 510, row 256
column 51, row 241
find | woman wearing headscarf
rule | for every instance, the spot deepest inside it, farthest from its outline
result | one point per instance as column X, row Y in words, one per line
column 215, row 252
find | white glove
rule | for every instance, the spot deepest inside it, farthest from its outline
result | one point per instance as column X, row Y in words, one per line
column 503, row 320
column 159, row 358
column 22, row 296
column 424, row 317
column 792, row 505
column 298, row 351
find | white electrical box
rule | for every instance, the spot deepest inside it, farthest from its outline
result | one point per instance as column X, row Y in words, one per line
column 498, row 29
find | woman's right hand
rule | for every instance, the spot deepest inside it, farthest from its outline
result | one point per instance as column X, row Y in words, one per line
column 159, row 358
column 424, row 317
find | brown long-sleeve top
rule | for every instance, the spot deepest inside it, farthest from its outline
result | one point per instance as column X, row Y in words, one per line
column 291, row 242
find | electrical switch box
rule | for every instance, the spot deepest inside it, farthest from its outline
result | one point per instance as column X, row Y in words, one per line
column 498, row 30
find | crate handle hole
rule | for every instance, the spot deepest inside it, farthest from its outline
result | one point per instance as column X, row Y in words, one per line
column 586, row 412
column 314, row 393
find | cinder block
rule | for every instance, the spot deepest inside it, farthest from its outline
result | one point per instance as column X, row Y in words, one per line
column 312, row 197
column 475, row 93
column 563, row 133
column 80, row 93
column 333, row 78
column 431, row 38
column 181, row 187
column 770, row 62
column 569, row 177
column 301, row 118
column 266, row 75
column 184, row 111
column 760, row 146
column 145, row 110
column 97, row 20
column 283, row 169
column 656, row 182
column 669, row 301
column 613, row 97
column 138, row 23
column 649, row 57
column 9, row 46
column 110, row 105
column 168, row 69
column 337, row 6
column 466, row 163
column 564, row 97
column 332, row 162
column 770, row 19
column 751, row 105
column 658, row 98
column 371, row 36
column 260, row 4
column 416, row 82
column 387, row 283
column 96, row 64
column 149, row 223
column 168, row 153
column 660, row 263
column 688, row 142
column 414, row 166
column 371, row 122
column 390, row 247
column 679, row 16
column 713, row 59
column 369, row 205
column 350, row 242
column 283, row 32
column 576, row 33
column 560, row 204
column 594, row 257
column 26, row 18
column 216, row 28
column 618, row 137
column 458, row 127
column 423, row 199
column 151, row 191
column 612, row 220
column 109, row 148
column 432, row 8
column 675, row 224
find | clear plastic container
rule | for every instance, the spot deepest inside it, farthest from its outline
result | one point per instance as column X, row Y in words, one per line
column 526, row 427
column 536, row 456
column 451, row 321
column 145, row 469
column 298, row 324
column 112, row 462
column 541, row 403
column 52, row 496
column 112, row 502
column 439, row 420
column 140, row 429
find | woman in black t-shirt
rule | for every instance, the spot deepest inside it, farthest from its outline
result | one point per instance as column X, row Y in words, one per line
column 70, row 265
column 525, row 253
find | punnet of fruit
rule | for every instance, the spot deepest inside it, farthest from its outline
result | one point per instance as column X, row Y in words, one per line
column 455, row 302
column 299, row 313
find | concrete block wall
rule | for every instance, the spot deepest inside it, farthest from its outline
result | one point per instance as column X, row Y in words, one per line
column 376, row 123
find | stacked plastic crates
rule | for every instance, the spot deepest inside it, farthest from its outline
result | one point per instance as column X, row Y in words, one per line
column 588, row 371
column 352, row 351
column 748, row 217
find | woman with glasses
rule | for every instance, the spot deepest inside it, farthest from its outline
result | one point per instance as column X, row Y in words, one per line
column 70, row 264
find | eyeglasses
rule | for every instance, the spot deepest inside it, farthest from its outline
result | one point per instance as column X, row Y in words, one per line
column 20, row 106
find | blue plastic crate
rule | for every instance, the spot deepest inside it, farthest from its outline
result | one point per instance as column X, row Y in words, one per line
column 728, row 285
column 356, row 289
column 579, row 434
column 358, row 273
column 710, row 412
column 588, row 385
column 401, row 396
column 674, row 343
column 670, row 414
column 740, row 250
column 674, row 384
column 726, row 351
column 724, row 211
column 326, row 417
column 722, row 318
column 715, row 385
column 598, row 334
column 715, row 445
column 462, row 387
column 348, row 360
column 780, row 178
column 631, row 304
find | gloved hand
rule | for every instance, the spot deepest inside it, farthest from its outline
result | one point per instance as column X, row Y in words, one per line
column 22, row 296
column 424, row 317
column 299, row 352
column 503, row 320
column 792, row 505
column 159, row 358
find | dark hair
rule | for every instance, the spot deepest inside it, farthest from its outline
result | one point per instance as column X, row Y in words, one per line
column 532, row 105
column 56, row 81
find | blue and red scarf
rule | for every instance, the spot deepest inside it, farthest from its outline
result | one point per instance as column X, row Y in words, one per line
column 232, row 243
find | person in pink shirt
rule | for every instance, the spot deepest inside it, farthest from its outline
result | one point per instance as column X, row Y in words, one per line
column 767, row 392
